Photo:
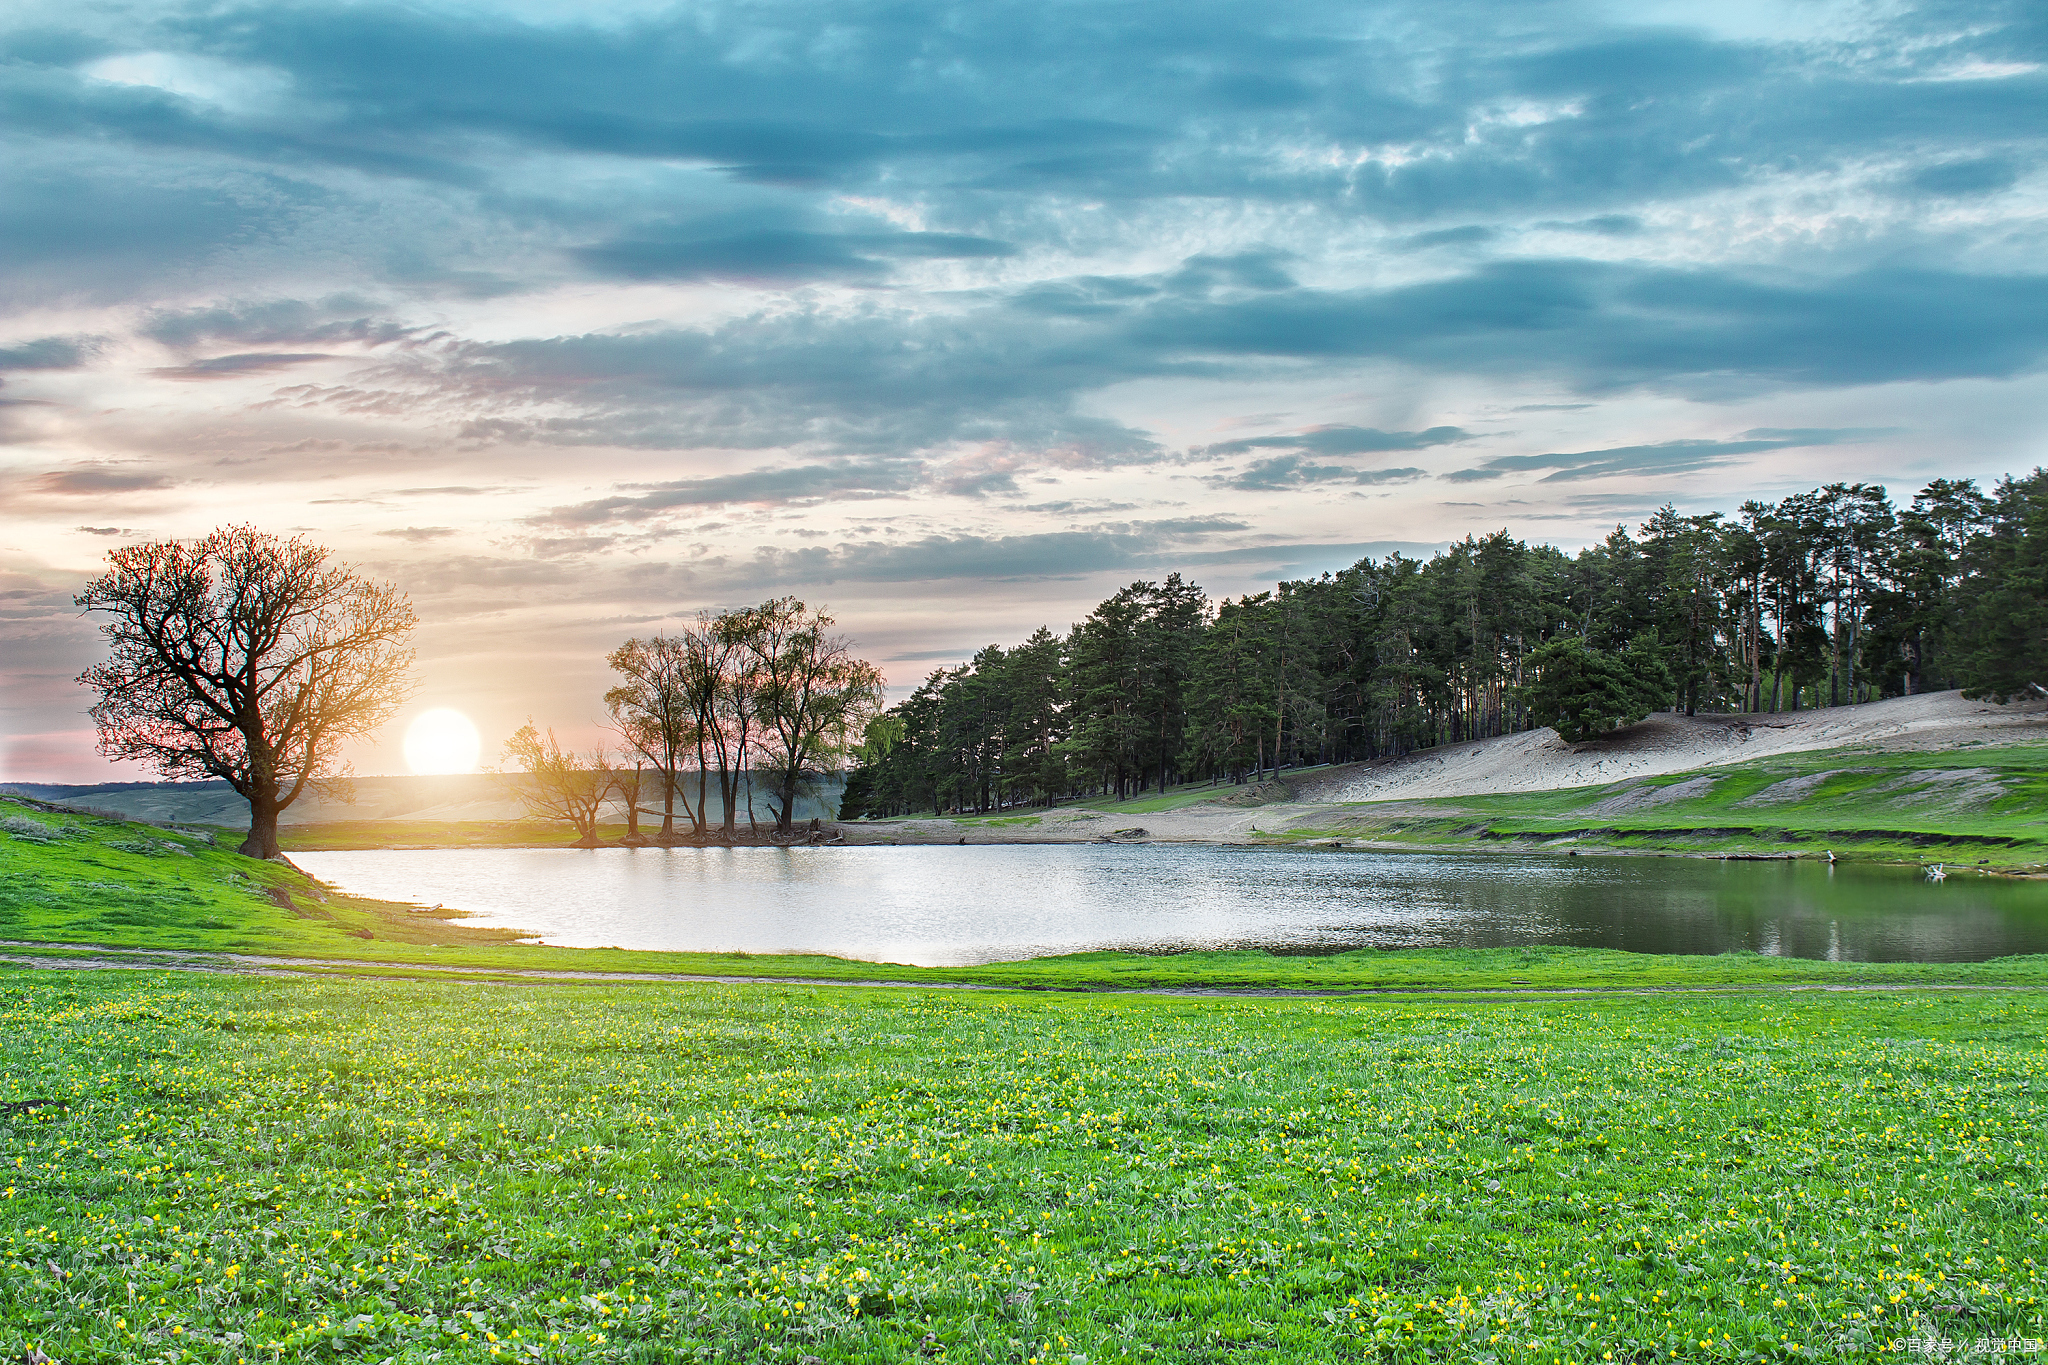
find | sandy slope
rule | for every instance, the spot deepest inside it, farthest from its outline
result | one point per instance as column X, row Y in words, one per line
column 1540, row 761
column 1533, row 761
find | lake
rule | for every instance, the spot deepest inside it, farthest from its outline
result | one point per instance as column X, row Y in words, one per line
column 947, row 905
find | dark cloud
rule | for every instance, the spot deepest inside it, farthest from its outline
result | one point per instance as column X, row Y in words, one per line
column 803, row 483
column 767, row 254
column 1052, row 554
column 1254, row 270
column 1470, row 235
column 49, row 353
column 1609, row 326
column 876, row 383
column 119, row 231
column 1663, row 457
column 92, row 480
column 455, row 490
column 1283, row 560
column 235, row 366
column 1820, row 436
column 1343, row 440
column 1958, row 179
column 881, row 381
column 1293, row 471
column 276, row 322
column 1112, row 547
column 1606, row 225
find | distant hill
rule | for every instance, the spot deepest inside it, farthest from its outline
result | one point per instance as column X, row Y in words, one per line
column 187, row 803
column 460, row 797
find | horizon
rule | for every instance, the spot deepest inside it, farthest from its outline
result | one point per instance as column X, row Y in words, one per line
column 954, row 321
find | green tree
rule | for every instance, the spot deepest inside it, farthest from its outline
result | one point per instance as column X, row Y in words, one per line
column 1581, row 691
column 2003, row 626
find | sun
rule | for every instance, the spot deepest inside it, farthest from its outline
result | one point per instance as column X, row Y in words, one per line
column 441, row 741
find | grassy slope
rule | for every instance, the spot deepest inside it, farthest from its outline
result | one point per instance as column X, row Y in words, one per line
column 310, row 1171
column 1915, row 806
column 105, row 882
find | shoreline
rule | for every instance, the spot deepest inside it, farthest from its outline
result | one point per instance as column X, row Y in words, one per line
column 1495, row 848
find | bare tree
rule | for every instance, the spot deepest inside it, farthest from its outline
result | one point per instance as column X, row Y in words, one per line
column 560, row 783
column 245, row 657
column 654, row 712
column 811, row 695
column 627, row 784
column 721, row 703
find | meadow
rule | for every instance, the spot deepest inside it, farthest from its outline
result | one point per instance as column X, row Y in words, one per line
column 239, row 1170
column 1978, row 804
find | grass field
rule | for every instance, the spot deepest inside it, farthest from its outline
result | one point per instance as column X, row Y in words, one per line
column 1982, row 804
column 237, row 1170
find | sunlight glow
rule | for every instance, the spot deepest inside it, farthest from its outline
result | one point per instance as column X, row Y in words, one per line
column 442, row 741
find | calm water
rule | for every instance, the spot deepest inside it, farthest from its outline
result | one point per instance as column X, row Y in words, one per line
column 949, row 906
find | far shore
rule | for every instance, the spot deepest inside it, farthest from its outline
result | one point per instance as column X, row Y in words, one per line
column 1928, row 779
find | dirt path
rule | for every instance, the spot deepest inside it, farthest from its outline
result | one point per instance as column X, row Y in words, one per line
column 103, row 957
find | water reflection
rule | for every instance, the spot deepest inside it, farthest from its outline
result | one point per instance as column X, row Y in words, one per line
column 949, row 905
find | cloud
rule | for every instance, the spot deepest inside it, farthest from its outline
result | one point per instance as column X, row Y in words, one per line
column 764, row 254
column 95, row 228
column 1606, row 225
column 1662, row 457
column 876, row 382
column 1285, row 560
column 1114, row 546
column 1293, row 471
column 235, row 366
column 1470, row 235
column 1343, row 440
column 792, row 484
column 49, row 353
column 1606, row 326
column 1254, row 270
column 455, row 490
column 276, row 322
column 93, row 480
column 1960, row 179
column 419, row 535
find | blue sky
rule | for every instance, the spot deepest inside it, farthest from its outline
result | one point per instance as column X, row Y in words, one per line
column 575, row 319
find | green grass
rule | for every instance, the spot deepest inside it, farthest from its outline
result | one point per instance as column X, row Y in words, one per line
column 257, row 1170
column 1983, row 804
column 66, row 877
column 126, row 886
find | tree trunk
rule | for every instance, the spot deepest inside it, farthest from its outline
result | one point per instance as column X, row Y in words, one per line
column 262, row 840
column 789, row 785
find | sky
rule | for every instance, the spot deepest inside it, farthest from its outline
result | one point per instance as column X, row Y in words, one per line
column 573, row 320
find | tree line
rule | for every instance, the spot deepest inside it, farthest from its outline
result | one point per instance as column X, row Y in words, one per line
column 762, row 692
column 1826, row 598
